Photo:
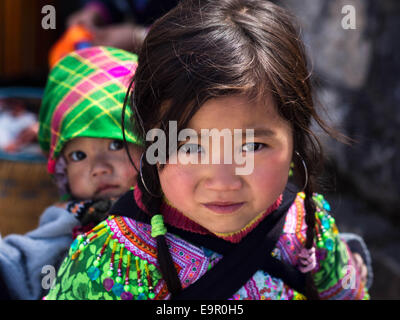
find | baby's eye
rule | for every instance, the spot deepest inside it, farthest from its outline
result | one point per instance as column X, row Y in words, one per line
column 77, row 155
column 116, row 145
column 191, row 148
column 252, row 146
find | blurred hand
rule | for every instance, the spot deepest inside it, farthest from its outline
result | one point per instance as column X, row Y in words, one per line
column 124, row 36
column 26, row 136
column 89, row 17
column 361, row 267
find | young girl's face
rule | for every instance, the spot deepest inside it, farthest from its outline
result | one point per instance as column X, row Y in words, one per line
column 99, row 168
column 213, row 195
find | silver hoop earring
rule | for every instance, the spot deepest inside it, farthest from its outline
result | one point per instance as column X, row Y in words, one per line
column 141, row 177
column 305, row 169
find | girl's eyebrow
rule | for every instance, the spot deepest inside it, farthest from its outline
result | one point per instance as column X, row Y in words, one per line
column 260, row 132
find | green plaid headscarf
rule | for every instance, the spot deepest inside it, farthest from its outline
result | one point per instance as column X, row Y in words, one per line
column 83, row 97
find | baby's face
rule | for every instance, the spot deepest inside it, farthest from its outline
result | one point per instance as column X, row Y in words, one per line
column 99, row 168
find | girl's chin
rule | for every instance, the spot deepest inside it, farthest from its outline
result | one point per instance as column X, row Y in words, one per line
column 224, row 228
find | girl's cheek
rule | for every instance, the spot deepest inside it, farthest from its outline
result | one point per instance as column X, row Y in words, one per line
column 177, row 182
column 271, row 173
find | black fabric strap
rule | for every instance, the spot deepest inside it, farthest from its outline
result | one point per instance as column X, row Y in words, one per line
column 4, row 292
column 236, row 267
column 126, row 206
column 240, row 261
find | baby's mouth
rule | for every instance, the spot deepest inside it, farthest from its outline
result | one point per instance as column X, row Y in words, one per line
column 105, row 188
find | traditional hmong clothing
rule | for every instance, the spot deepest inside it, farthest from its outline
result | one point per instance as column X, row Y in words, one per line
column 83, row 97
column 117, row 259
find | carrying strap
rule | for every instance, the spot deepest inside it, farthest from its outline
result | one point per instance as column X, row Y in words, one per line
column 239, row 262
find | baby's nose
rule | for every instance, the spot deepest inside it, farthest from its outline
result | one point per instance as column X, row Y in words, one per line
column 101, row 168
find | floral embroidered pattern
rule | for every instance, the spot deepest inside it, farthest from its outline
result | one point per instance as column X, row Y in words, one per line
column 117, row 260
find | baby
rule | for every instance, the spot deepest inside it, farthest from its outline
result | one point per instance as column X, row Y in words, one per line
column 80, row 130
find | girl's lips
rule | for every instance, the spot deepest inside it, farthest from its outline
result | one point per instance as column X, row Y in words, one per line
column 223, row 207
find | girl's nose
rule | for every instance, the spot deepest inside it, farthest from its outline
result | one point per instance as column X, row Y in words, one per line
column 222, row 177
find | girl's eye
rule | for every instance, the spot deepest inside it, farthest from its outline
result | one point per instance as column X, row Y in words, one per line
column 252, row 146
column 116, row 145
column 77, row 155
column 190, row 148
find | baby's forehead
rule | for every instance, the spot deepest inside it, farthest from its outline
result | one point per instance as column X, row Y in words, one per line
column 85, row 142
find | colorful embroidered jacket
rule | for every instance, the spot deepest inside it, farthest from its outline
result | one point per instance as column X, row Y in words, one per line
column 117, row 260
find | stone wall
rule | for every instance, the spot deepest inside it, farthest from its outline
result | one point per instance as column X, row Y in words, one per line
column 357, row 81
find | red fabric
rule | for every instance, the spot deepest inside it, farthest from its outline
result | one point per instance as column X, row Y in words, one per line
column 82, row 229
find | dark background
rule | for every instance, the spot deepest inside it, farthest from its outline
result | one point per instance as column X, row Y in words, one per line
column 358, row 83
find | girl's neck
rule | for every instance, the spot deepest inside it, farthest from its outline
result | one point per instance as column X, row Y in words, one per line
column 174, row 217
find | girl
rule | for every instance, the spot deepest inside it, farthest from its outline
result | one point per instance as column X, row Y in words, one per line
column 223, row 65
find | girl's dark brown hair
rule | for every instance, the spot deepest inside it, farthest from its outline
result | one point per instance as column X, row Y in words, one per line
column 204, row 49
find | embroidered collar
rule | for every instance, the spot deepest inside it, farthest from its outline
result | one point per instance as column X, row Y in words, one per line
column 175, row 218
column 226, row 277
